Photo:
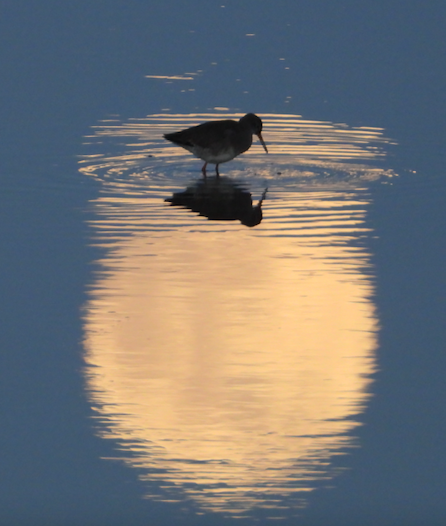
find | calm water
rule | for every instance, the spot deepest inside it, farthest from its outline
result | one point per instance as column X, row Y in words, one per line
column 266, row 346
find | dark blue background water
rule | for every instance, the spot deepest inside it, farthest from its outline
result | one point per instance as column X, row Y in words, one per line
column 64, row 67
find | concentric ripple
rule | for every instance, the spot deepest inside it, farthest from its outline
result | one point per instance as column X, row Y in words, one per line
column 230, row 364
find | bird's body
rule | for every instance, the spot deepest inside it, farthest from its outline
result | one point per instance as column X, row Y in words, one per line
column 217, row 142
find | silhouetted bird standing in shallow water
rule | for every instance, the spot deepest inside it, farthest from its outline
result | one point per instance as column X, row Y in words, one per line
column 217, row 142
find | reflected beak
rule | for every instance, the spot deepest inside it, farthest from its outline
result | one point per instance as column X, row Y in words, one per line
column 259, row 135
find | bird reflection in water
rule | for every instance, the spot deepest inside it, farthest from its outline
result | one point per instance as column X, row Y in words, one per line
column 220, row 199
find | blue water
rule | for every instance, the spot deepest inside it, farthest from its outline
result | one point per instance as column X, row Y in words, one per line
column 352, row 96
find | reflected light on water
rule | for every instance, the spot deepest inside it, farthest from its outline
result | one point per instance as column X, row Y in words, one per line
column 293, row 143
column 231, row 364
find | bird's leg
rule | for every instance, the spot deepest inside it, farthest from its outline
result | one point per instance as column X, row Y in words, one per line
column 203, row 170
column 216, row 170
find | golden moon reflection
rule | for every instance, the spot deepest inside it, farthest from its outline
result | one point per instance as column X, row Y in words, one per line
column 230, row 364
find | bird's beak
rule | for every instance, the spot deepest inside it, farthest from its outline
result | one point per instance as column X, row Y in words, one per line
column 259, row 135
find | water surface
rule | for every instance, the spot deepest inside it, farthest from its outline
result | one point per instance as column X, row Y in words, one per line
column 229, row 363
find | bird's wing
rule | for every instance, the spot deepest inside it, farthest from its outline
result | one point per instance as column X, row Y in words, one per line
column 209, row 134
